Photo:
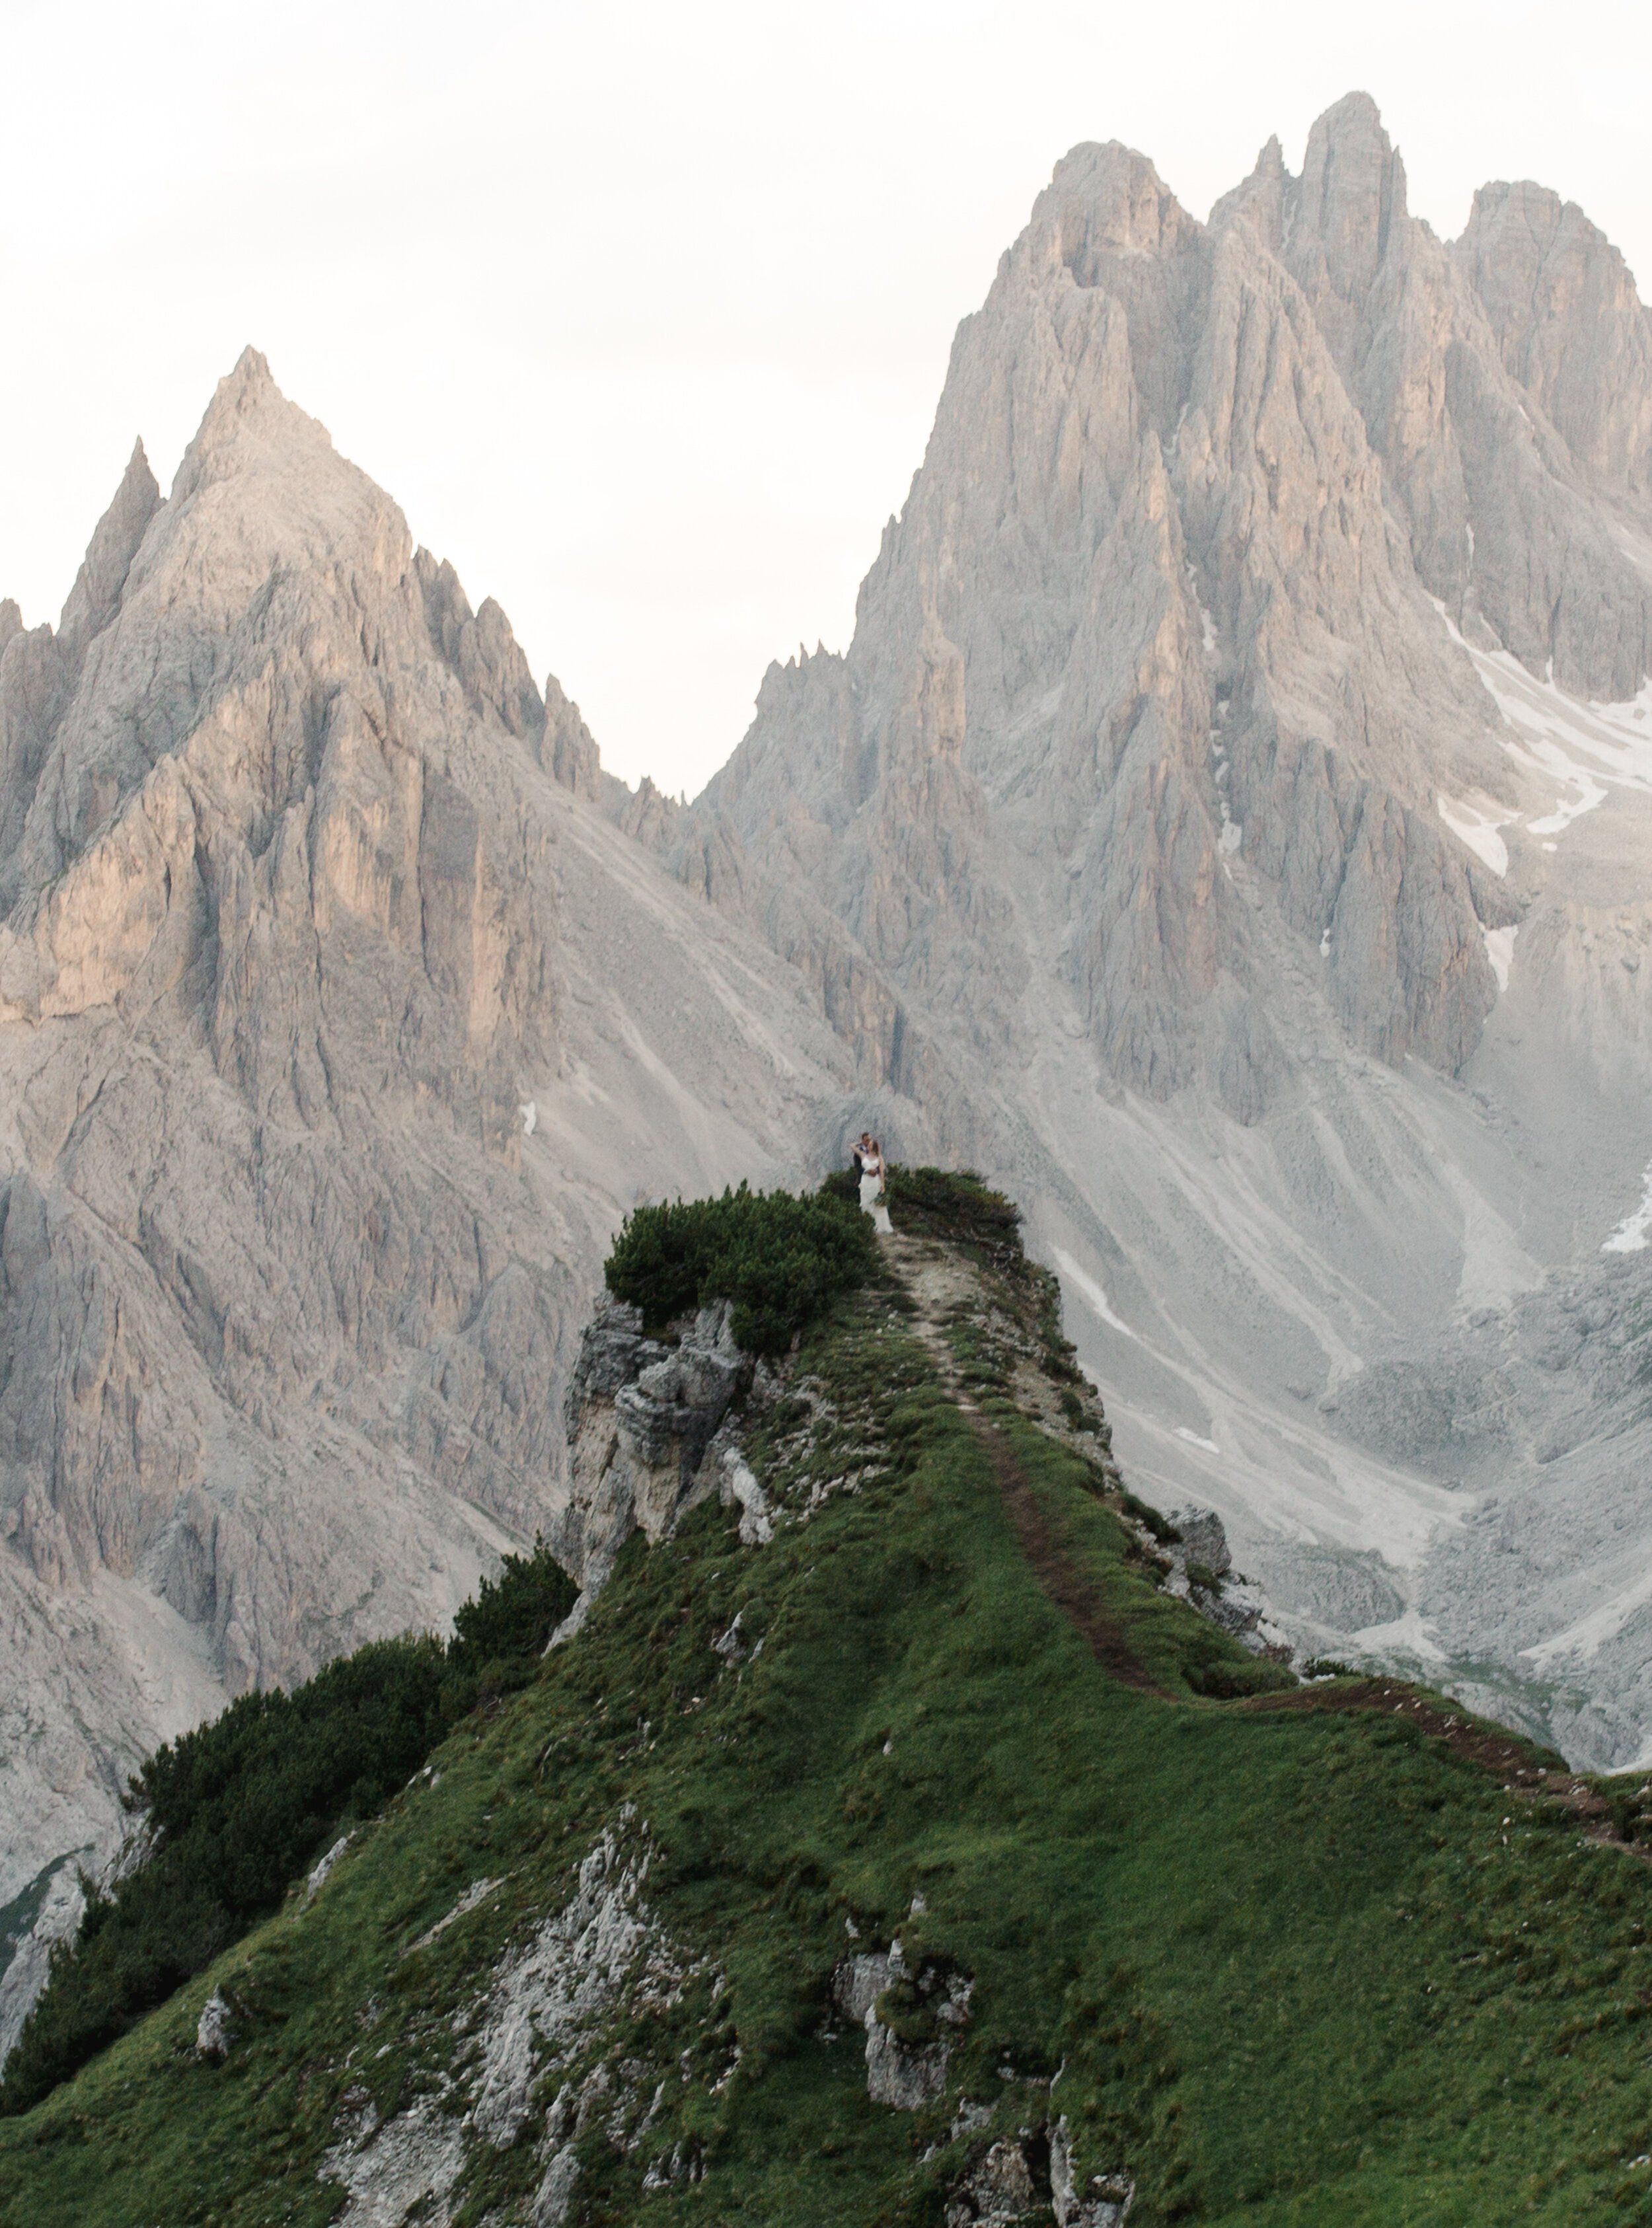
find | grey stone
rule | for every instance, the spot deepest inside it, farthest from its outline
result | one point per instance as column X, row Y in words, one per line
column 215, row 2028
column 1204, row 1539
column 1100, row 2200
column 642, row 1418
column 998, row 2191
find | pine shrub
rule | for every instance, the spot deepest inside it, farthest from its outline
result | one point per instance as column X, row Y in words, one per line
column 779, row 1258
column 234, row 1812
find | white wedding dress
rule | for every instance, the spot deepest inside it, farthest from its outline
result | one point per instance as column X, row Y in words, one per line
column 872, row 1199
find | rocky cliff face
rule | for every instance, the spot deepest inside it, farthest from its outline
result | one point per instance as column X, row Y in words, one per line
column 337, row 1026
column 1238, row 777
column 648, row 1436
column 1164, row 600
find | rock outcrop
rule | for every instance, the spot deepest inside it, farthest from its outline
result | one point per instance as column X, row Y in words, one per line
column 1202, row 1574
column 641, row 1416
column 908, row 2043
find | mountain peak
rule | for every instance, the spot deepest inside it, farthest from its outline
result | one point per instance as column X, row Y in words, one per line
column 1569, row 323
column 1352, row 190
column 97, row 591
column 1356, row 112
column 250, row 391
column 247, row 406
column 1108, row 199
column 1260, row 197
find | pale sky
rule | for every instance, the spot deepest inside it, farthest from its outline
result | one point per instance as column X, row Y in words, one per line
column 641, row 312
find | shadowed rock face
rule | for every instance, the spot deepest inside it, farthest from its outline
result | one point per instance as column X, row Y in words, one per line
column 337, row 1030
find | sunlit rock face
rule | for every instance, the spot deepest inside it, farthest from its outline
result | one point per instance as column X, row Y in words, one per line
column 337, row 1028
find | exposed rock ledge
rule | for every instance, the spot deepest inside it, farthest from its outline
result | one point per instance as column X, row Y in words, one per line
column 1202, row 1574
column 649, row 1437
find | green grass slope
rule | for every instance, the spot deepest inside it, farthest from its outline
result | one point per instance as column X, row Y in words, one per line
column 1273, row 1964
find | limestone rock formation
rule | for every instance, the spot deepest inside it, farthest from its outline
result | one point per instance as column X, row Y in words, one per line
column 1228, row 818
column 338, row 1025
column 1165, row 597
column 642, row 1415
column 1570, row 327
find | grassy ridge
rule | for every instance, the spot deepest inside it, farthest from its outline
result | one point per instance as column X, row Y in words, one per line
column 1294, row 1966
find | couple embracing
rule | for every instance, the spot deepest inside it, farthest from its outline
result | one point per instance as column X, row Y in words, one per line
column 869, row 1167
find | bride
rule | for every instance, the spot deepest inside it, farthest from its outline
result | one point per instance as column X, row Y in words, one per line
column 868, row 1155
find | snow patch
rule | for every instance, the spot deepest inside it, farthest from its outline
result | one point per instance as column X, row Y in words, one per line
column 530, row 1118
column 1588, row 794
column 1091, row 1292
column 1478, row 830
column 1584, row 747
column 1194, row 1440
column 1500, row 949
column 1630, row 1235
column 1207, row 625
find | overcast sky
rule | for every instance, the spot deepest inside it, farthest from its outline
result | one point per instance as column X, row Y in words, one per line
column 641, row 311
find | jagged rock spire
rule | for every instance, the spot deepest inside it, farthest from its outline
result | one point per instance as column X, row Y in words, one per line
column 95, row 597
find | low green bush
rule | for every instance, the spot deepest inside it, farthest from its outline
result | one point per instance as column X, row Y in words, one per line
column 779, row 1258
column 1160, row 1526
column 1219, row 1679
column 500, row 1635
column 957, row 1206
column 1079, row 1417
column 235, row 1811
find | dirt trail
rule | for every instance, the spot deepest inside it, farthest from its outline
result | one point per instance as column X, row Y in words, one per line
column 938, row 1281
column 1484, row 1743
